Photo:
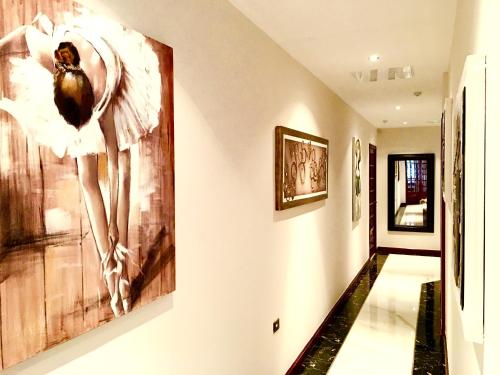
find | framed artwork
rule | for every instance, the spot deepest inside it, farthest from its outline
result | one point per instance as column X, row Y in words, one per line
column 301, row 168
column 468, row 195
column 356, row 179
column 458, row 196
column 86, row 173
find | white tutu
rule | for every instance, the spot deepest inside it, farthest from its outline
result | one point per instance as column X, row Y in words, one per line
column 133, row 89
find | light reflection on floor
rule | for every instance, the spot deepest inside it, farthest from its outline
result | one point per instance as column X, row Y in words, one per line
column 413, row 215
column 382, row 339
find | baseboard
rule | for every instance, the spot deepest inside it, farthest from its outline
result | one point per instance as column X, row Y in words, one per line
column 403, row 251
column 343, row 298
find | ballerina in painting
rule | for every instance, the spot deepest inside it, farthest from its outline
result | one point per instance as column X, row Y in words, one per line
column 357, row 180
column 87, row 87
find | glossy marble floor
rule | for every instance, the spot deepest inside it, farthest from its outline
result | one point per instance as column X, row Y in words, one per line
column 376, row 332
column 382, row 339
column 413, row 215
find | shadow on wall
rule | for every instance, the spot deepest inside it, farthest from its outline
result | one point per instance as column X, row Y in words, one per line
column 296, row 211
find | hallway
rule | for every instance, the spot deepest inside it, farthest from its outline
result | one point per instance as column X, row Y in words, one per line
column 389, row 325
column 300, row 187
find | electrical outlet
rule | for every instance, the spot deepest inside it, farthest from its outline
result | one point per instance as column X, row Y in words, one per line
column 276, row 325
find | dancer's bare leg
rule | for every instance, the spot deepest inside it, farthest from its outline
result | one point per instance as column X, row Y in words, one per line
column 119, row 187
column 88, row 176
column 123, row 195
column 123, row 219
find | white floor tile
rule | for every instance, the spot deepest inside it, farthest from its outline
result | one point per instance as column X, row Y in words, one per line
column 382, row 338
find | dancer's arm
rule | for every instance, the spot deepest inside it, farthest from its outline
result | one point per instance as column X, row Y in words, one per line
column 13, row 35
column 37, row 39
column 39, row 45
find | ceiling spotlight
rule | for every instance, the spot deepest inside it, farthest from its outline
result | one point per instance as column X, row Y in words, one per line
column 374, row 58
column 398, row 107
column 384, row 121
column 405, row 122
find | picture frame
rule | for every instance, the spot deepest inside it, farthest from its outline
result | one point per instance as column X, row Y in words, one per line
column 468, row 195
column 96, row 238
column 356, row 179
column 301, row 168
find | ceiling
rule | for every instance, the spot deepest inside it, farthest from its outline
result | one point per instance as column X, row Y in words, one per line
column 333, row 38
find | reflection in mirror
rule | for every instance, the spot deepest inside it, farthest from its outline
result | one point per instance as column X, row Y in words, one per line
column 411, row 185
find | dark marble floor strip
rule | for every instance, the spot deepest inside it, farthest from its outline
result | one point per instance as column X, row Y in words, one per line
column 321, row 355
column 429, row 346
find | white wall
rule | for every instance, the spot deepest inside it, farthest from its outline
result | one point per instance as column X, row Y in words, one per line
column 421, row 140
column 476, row 32
column 240, row 264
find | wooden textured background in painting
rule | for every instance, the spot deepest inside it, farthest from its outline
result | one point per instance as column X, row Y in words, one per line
column 50, row 280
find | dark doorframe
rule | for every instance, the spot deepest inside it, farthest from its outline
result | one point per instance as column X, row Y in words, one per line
column 372, row 189
column 443, row 230
column 443, row 267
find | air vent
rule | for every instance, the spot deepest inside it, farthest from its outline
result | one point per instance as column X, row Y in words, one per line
column 391, row 74
column 405, row 72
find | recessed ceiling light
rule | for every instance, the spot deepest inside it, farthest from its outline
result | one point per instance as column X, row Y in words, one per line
column 405, row 122
column 398, row 107
column 374, row 58
column 385, row 121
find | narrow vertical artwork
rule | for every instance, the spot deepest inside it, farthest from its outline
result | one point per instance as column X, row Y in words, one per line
column 469, row 197
column 86, row 173
column 459, row 197
column 356, row 179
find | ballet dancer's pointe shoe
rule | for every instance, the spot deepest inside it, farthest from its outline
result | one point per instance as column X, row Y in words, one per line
column 113, row 302
column 123, row 283
column 111, row 277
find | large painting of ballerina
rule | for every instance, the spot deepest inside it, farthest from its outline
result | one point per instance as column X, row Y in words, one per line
column 301, row 168
column 86, row 173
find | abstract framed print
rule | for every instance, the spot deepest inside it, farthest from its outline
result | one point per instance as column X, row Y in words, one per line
column 301, row 168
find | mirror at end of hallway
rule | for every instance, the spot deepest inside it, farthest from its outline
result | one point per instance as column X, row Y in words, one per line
column 411, row 192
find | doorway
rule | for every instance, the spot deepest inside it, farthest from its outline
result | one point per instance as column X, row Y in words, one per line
column 372, row 189
column 416, row 181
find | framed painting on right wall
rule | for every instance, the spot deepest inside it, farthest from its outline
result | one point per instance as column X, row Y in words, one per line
column 468, row 195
